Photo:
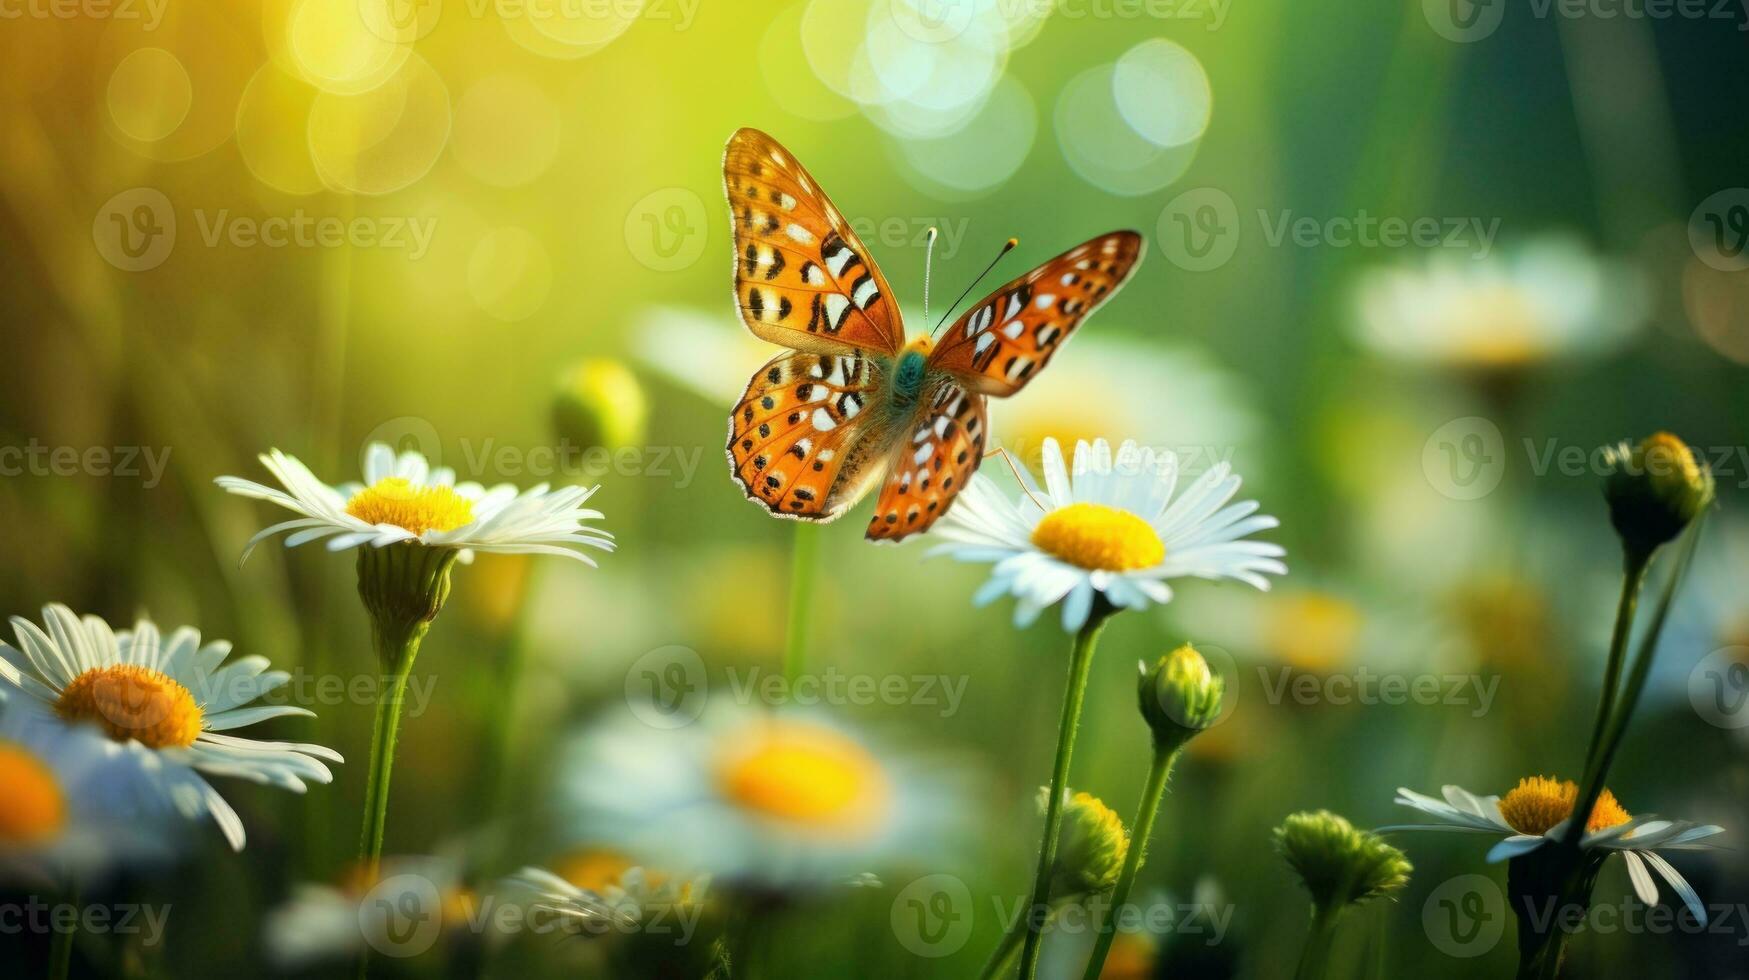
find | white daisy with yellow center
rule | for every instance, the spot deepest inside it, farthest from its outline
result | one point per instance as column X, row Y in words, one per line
column 71, row 801
column 403, row 498
column 755, row 797
column 1537, row 811
column 171, row 702
column 1551, row 298
column 1112, row 527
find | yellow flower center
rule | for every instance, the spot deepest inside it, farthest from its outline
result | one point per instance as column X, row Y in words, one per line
column 32, row 808
column 1540, row 802
column 592, row 871
column 1498, row 326
column 392, row 500
column 1312, row 630
column 132, row 702
column 806, row 775
column 1666, row 455
column 1099, row 538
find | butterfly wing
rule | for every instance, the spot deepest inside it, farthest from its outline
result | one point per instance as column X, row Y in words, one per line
column 799, row 438
column 930, row 468
column 802, row 277
column 1005, row 340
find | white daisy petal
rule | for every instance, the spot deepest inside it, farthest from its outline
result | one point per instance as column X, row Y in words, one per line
column 1678, row 883
column 1644, row 887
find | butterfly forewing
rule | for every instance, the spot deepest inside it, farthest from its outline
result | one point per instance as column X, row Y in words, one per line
column 932, row 463
column 800, row 438
column 802, row 277
column 1004, row 341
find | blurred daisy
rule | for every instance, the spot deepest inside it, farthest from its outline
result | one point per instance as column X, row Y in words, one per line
column 403, row 499
column 756, row 798
column 71, row 802
column 403, row 910
column 168, row 702
column 1551, row 298
column 1537, row 810
column 1110, row 528
column 624, row 900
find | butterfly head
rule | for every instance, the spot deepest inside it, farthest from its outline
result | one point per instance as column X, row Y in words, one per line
column 908, row 372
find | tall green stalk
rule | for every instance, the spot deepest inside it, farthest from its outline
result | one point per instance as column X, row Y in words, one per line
column 804, row 556
column 1004, row 952
column 1633, row 576
column 1141, row 829
column 1315, row 956
column 1080, row 659
column 61, row 946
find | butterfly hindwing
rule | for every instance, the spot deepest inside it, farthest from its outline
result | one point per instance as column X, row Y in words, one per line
column 931, row 463
column 799, row 438
column 1004, row 341
column 802, row 277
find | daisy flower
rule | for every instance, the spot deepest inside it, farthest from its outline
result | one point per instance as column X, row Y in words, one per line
column 751, row 797
column 1537, row 811
column 402, row 498
column 167, row 702
column 402, row 910
column 71, row 801
column 1551, row 298
column 597, row 902
column 1118, row 529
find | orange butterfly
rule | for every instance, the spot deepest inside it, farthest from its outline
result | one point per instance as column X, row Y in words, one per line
column 851, row 399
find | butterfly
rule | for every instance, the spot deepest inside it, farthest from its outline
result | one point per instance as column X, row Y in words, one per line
column 852, row 401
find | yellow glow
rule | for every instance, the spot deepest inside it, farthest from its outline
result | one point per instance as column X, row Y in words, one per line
column 273, row 131
column 1312, row 630
column 337, row 49
column 129, row 701
column 32, row 808
column 805, row 775
column 506, row 130
column 1099, row 538
column 509, row 274
column 384, row 139
column 392, row 500
column 1497, row 326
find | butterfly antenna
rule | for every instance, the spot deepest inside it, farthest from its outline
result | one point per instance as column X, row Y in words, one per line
column 928, row 258
column 1007, row 247
column 1008, row 457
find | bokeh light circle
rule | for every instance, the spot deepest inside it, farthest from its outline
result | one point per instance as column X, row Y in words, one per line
column 1162, row 91
column 506, row 130
column 982, row 154
column 1101, row 146
column 336, row 49
column 587, row 24
column 509, row 274
column 382, row 140
column 273, row 121
column 832, row 40
column 149, row 94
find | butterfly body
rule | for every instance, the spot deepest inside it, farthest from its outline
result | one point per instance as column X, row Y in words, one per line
column 851, row 403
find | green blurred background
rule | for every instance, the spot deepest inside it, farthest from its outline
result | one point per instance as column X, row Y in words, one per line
column 567, row 174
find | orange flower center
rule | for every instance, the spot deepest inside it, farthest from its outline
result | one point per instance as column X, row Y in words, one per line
column 1540, row 802
column 32, row 808
column 805, row 775
column 129, row 701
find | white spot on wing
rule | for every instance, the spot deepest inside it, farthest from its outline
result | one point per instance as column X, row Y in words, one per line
column 823, row 420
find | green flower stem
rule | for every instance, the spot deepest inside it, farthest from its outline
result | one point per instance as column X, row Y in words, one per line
column 1003, row 954
column 1315, row 957
column 1141, row 829
column 61, row 946
column 1080, row 659
column 1633, row 576
column 804, row 556
column 403, row 587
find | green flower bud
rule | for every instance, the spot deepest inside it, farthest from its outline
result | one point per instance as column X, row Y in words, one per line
column 1339, row 864
column 600, row 403
column 1091, row 848
column 1179, row 696
column 1655, row 490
